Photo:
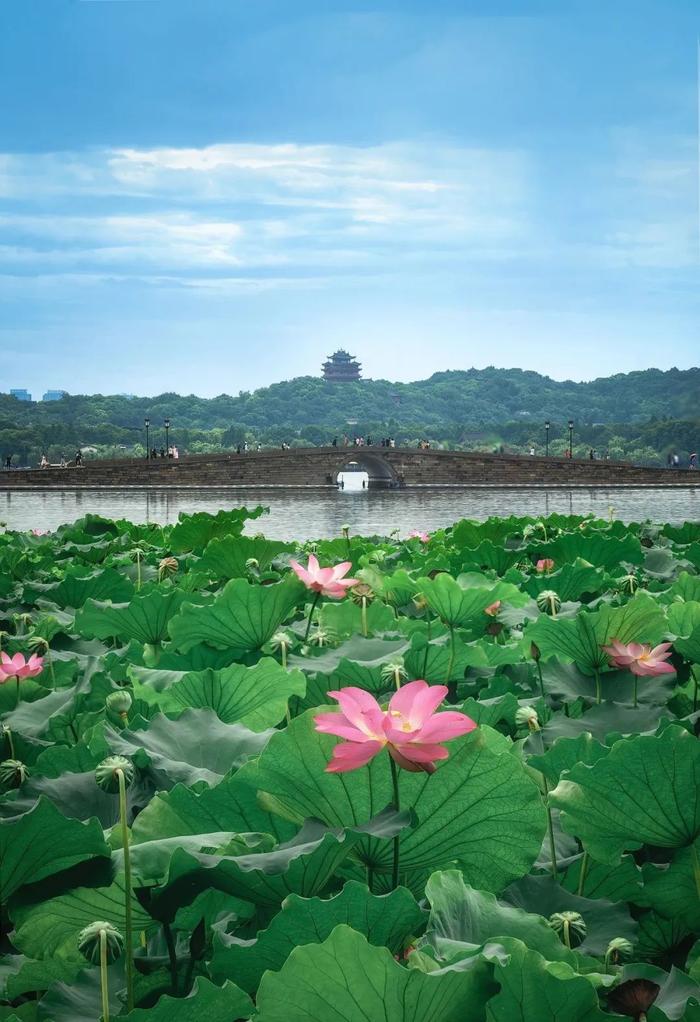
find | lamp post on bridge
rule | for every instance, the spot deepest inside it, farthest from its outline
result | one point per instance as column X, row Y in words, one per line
column 571, row 438
column 167, row 430
column 147, row 424
column 546, row 438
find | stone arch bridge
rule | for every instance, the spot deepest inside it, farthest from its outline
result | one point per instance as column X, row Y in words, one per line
column 320, row 466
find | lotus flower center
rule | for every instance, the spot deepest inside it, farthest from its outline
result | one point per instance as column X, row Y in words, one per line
column 405, row 725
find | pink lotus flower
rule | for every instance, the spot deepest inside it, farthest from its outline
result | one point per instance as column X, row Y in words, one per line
column 545, row 564
column 327, row 581
column 19, row 668
column 640, row 658
column 422, row 536
column 39, row 532
column 409, row 729
column 493, row 608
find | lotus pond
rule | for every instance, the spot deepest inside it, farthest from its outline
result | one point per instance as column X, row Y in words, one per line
column 456, row 777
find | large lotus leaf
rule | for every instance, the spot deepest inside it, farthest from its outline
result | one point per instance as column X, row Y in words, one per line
column 488, row 555
column 195, row 531
column 396, row 589
column 75, row 589
column 431, row 661
column 145, row 618
column 683, row 618
column 205, row 1001
column 227, row 557
column 461, row 608
column 254, row 696
column 80, row 1000
column 229, row 806
column 643, row 792
column 604, row 920
column 567, row 682
column 369, row 653
column 467, row 533
column 461, row 914
column 195, row 747
column 43, row 842
column 580, row 640
column 673, row 889
column 690, row 648
column 535, row 990
column 346, row 979
column 686, row 587
column 661, row 939
column 565, row 753
column 602, row 881
column 242, row 617
column 344, row 619
column 50, row 928
column 686, row 533
column 569, row 583
column 386, row 921
column 21, row 975
column 479, row 809
column 601, row 551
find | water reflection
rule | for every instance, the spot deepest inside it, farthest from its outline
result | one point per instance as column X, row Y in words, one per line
column 305, row 514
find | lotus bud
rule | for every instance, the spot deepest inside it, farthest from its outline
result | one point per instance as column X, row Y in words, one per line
column 569, row 926
column 168, row 566
column 494, row 628
column 629, row 584
column 535, row 651
column 420, row 602
column 619, row 950
column 361, row 593
column 106, row 773
column 119, row 702
column 526, row 716
column 13, row 773
column 549, row 602
column 345, row 529
column 89, row 942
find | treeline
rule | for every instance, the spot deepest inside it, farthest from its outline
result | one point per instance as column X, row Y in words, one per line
column 640, row 416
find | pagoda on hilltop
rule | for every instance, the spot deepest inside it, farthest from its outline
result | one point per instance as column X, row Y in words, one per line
column 341, row 367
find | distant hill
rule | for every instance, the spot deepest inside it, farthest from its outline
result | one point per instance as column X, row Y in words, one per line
column 448, row 405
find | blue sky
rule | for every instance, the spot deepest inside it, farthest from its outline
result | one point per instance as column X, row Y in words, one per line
column 210, row 196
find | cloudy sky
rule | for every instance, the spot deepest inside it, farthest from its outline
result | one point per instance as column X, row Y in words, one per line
column 210, row 195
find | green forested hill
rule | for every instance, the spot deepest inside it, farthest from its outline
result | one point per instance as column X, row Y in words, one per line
column 448, row 406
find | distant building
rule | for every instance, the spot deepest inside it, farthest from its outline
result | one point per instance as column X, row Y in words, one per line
column 21, row 394
column 341, row 367
column 53, row 395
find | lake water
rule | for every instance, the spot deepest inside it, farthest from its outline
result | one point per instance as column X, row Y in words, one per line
column 308, row 514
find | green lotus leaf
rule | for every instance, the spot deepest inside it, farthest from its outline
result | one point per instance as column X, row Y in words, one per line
column 672, row 890
column 643, row 792
column 256, row 697
column 535, row 990
column 344, row 619
column 685, row 587
column 570, row 582
column 195, row 747
column 684, row 618
column 479, row 809
column 20, row 975
column 580, row 640
column 226, row 558
column 598, row 550
column 205, row 1001
column 565, row 753
column 81, row 997
column 460, row 607
column 195, row 531
column 386, row 921
column 602, row 881
column 49, row 929
column 488, row 555
column 145, row 618
column 43, row 842
column 242, row 618
column 346, row 979
column 76, row 588
column 690, row 648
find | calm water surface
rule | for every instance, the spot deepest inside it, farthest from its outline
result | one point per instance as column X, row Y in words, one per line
column 307, row 514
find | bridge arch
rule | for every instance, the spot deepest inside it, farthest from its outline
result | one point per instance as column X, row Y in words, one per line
column 380, row 472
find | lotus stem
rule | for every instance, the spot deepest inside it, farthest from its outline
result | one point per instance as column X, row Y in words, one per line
column 550, row 830
column 17, row 692
column 636, row 681
column 127, row 892
column 397, row 840
column 450, row 664
column 138, row 570
column 552, row 606
column 397, row 676
column 364, row 616
column 582, row 874
column 696, row 868
column 10, row 742
column 172, row 957
column 539, row 675
column 283, row 655
column 567, row 935
column 104, row 982
column 598, row 689
column 315, row 600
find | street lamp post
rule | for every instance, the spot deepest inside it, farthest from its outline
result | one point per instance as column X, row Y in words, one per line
column 167, row 430
column 571, row 438
column 546, row 438
column 147, row 424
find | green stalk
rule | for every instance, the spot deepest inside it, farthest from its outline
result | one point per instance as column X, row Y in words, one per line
column 539, row 675
column 582, row 874
column 550, row 831
column 397, row 807
column 316, row 598
column 127, row 893
column 364, row 616
column 10, row 742
column 598, row 689
column 427, row 644
column 283, row 652
column 636, row 680
column 397, row 678
column 696, row 868
column 172, row 956
column 552, row 606
column 104, row 983
column 567, row 935
column 17, row 693
column 453, row 653
column 138, row 570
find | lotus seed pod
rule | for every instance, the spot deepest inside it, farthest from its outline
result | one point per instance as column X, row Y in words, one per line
column 392, row 671
column 569, row 925
column 106, row 773
column 320, row 637
column 168, row 566
column 119, row 701
column 526, row 716
column 12, row 773
column 362, row 593
column 619, row 950
column 89, row 942
column 548, row 601
column 629, row 584
column 280, row 640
